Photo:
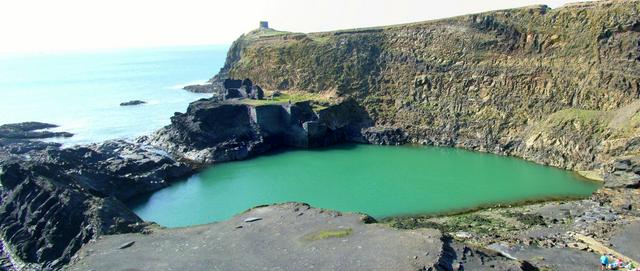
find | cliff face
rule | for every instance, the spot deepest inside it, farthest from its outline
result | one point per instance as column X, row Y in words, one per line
column 212, row 131
column 54, row 200
column 556, row 86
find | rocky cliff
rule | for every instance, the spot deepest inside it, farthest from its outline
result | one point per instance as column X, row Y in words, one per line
column 54, row 200
column 212, row 131
column 555, row 86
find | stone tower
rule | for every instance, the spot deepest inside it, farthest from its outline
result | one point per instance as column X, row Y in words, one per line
column 264, row 24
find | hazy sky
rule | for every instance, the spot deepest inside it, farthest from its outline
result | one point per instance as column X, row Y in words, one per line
column 67, row 25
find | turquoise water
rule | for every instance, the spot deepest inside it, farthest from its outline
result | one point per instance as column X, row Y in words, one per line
column 381, row 181
column 81, row 92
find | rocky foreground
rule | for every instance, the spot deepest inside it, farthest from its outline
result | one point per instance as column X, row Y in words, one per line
column 290, row 236
column 558, row 87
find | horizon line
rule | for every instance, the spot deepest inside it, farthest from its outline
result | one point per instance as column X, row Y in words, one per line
column 18, row 53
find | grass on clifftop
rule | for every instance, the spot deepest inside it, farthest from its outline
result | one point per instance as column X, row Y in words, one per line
column 326, row 234
column 317, row 101
column 265, row 32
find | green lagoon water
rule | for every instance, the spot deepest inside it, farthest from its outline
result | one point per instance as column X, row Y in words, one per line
column 381, row 181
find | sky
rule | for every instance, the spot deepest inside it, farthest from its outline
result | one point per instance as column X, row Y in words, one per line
column 81, row 25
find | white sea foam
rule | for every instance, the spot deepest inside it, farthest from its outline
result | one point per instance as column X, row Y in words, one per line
column 197, row 82
column 74, row 124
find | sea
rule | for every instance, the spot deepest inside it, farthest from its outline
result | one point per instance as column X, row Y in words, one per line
column 82, row 91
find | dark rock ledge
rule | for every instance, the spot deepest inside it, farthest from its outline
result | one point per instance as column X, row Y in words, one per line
column 133, row 102
column 30, row 130
column 205, row 88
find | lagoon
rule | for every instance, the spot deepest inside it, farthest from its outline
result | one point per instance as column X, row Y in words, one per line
column 381, row 181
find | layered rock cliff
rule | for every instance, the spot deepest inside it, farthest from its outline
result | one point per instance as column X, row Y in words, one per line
column 555, row 86
column 53, row 200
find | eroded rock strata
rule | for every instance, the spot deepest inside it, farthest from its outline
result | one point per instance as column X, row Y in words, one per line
column 558, row 87
column 54, row 200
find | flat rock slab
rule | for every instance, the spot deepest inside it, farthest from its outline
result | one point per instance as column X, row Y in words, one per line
column 559, row 259
column 289, row 236
column 627, row 241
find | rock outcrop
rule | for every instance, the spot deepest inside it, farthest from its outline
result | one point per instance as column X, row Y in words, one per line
column 212, row 131
column 624, row 173
column 54, row 200
column 46, row 218
column 241, row 89
column 204, row 88
column 133, row 102
column 30, row 130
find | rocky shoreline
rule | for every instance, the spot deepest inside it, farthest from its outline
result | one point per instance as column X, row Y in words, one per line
column 490, row 82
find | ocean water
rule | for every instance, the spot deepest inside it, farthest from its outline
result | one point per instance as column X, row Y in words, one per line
column 381, row 181
column 82, row 92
